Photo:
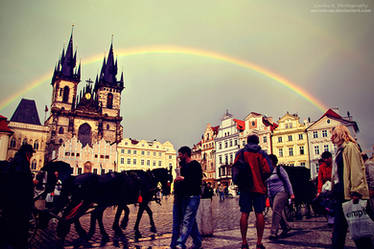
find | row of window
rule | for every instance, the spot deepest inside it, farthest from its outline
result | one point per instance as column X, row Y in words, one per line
column 302, row 151
column 95, row 171
column 291, row 151
column 207, row 146
column 13, row 143
column 126, row 143
column 229, row 159
column 142, row 152
column 290, row 138
column 317, row 151
column 228, row 144
column 324, row 134
column 134, row 161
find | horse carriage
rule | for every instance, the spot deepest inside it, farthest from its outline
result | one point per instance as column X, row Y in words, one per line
column 92, row 193
column 304, row 190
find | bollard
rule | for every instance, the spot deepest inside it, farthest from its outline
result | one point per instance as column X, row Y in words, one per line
column 204, row 217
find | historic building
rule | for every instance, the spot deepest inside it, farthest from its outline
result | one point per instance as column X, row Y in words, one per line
column 102, row 156
column 5, row 133
column 319, row 136
column 27, row 128
column 196, row 152
column 261, row 126
column 290, row 143
column 208, row 153
column 227, row 144
column 91, row 115
column 145, row 155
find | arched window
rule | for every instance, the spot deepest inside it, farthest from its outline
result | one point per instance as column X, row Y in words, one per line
column 109, row 102
column 65, row 98
column 33, row 164
column 61, row 130
column 61, row 141
column 24, row 141
column 36, row 145
column 13, row 143
column 85, row 134
column 107, row 127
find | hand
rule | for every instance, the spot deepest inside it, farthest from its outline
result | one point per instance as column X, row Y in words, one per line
column 318, row 194
column 292, row 197
column 179, row 178
column 355, row 197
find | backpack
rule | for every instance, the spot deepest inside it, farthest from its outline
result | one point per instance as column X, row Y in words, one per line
column 241, row 173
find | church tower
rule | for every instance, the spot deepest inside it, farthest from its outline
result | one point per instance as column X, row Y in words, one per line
column 108, row 91
column 92, row 114
column 65, row 80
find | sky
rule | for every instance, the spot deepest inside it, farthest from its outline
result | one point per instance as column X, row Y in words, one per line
column 186, row 62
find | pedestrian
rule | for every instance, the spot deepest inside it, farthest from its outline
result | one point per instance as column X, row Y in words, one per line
column 279, row 191
column 177, row 208
column 369, row 167
column 207, row 191
column 20, row 204
column 221, row 192
column 253, row 197
column 349, row 183
column 324, row 185
column 190, row 189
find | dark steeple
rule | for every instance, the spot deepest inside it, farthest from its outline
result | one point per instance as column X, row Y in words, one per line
column 109, row 72
column 26, row 112
column 65, row 69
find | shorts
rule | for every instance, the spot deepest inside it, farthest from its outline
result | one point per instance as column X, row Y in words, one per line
column 249, row 199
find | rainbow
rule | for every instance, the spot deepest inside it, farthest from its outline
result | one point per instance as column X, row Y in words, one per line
column 178, row 50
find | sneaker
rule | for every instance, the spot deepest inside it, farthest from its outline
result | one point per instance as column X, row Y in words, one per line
column 260, row 246
column 196, row 247
column 285, row 231
column 245, row 246
column 273, row 237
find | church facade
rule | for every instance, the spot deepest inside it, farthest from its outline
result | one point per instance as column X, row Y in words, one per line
column 91, row 115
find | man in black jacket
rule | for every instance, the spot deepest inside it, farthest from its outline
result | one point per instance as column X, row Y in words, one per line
column 189, row 184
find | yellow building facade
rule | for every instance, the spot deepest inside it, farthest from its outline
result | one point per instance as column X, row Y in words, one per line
column 145, row 155
column 289, row 141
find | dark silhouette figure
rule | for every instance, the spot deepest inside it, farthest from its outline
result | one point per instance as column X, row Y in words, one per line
column 17, row 190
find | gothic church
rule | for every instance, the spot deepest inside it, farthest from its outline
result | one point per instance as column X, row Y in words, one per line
column 90, row 115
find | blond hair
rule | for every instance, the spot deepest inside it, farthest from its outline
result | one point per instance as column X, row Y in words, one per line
column 343, row 133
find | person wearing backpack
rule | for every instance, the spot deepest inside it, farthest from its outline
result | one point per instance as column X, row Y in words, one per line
column 279, row 190
column 252, row 195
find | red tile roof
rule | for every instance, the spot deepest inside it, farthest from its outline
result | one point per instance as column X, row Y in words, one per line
column 215, row 129
column 240, row 124
column 4, row 125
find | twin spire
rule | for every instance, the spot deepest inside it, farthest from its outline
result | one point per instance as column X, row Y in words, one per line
column 65, row 68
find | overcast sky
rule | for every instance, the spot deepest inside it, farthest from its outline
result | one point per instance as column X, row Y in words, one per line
column 325, row 47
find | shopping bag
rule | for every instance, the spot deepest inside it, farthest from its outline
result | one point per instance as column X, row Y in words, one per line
column 49, row 197
column 326, row 186
column 359, row 222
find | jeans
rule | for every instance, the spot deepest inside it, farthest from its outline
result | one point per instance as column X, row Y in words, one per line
column 278, row 203
column 177, row 220
column 190, row 205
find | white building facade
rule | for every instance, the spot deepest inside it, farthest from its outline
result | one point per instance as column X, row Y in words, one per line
column 227, row 144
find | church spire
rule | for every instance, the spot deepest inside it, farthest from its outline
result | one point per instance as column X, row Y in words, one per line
column 67, row 63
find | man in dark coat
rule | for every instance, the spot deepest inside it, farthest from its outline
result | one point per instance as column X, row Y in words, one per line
column 21, row 194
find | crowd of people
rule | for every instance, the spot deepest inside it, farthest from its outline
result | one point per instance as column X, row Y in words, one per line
column 347, row 177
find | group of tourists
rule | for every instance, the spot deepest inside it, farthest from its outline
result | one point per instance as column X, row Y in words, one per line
column 348, row 178
column 344, row 179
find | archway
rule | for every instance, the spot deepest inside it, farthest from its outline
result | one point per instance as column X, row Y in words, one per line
column 85, row 134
